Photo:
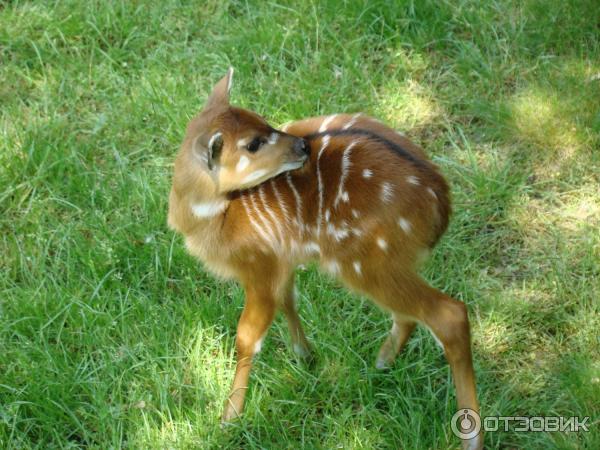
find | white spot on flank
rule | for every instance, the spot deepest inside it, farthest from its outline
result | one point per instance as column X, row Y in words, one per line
column 255, row 176
column 357, row 232
column 357, row 267
column 367, row 173
column 209, row 209
column 352, row 121
column 387, row 192
column 345, row 197
column 338, row 233
column 326, row 122
column 404, row 224
column 355, row 214
column 273, row 138
column 327, row 215
column 413, row 180
column 242, row 164
column 382, row 244
column 430, row 191
column 312, row 247
column 332, row 266
column 345, row 168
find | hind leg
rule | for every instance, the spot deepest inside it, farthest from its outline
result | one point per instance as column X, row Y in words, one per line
column 415, row 301
column 399, row 334
column 450, row 325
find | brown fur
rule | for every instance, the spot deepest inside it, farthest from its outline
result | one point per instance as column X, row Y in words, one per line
column 367, row 204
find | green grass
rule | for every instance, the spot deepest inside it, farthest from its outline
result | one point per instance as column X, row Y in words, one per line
column 111, row 336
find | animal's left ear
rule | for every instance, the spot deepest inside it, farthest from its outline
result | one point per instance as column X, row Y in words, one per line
column 215, row 145
column 220, row 93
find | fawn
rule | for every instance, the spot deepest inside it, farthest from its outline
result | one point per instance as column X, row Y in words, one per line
column 254, row 202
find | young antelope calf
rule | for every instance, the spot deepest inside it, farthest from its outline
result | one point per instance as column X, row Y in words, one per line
column 254, row 202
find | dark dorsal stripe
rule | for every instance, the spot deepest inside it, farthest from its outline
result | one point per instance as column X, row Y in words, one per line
column 376, row 137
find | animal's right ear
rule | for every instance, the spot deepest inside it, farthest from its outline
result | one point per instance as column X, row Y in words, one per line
column 220, row 93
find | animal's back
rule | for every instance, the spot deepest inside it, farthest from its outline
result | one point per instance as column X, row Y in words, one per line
column 368, row 204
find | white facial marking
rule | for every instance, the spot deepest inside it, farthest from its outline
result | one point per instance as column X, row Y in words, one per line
column 208, row 209
column 273, row 138
column 404, row 224
column 382, row 244
column 367, row 173
column 413, row 180
column 357, row 267
column 430, row 191
column 387, row 192
column 242, row 164
column 326, row 122
column 255, row 176
column 355, row 214
column 242, row 142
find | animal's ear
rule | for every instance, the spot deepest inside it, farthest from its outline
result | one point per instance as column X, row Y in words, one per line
column 215, row 145
column 220, row 93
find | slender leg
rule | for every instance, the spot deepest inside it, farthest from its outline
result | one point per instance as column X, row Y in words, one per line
column 288, row 306
column 399, row 334
column 450, row 324
column 414, row 300
column 255, row 320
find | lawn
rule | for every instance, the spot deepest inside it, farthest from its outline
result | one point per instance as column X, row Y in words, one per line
column 111, row 336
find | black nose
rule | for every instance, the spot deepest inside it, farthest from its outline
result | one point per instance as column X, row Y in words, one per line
column 301, row 147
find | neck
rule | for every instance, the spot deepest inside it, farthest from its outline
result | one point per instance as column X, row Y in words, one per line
column 194, row 198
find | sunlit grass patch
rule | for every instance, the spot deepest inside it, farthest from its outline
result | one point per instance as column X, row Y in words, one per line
column 111, row 336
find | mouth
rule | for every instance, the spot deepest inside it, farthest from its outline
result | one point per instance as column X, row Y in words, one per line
column 293, row 165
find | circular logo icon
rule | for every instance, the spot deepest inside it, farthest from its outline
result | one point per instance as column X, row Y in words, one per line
column 466, row 423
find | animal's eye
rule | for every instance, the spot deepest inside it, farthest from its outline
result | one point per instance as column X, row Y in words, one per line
column 255, row 144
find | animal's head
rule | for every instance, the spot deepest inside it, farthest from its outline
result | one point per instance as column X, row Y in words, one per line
column 235, row 147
